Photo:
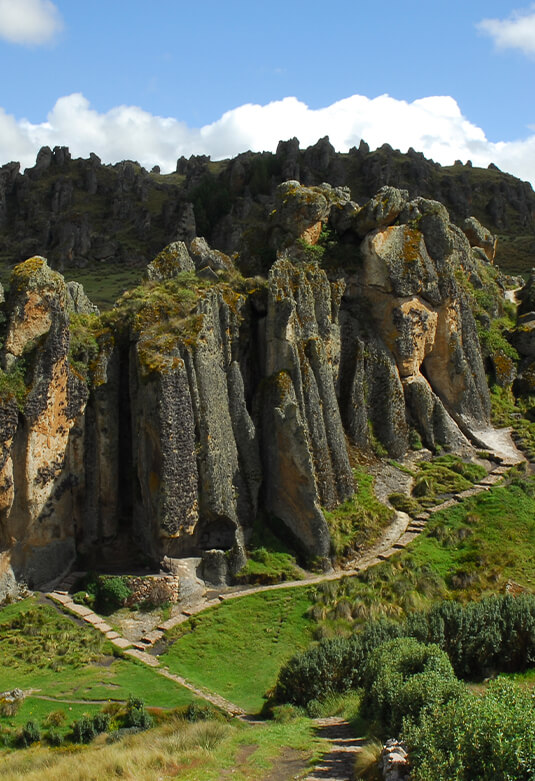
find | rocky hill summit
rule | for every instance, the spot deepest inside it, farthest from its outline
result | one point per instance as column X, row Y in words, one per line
column 84, row 214
column 208, row 400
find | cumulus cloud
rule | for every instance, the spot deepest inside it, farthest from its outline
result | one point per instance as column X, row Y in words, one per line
column 29, row 22
column 432, row 125
column 515, row 32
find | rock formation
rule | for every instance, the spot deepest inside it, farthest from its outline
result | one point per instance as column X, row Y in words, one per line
column 82, row 213
column 202, row 403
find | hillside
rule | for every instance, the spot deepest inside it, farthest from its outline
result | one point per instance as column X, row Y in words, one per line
column 106, row 221
column 305, row 382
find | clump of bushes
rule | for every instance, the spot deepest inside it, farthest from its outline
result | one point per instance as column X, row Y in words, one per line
column 403, row 676
column 29, row 734
column 103, row 593
column 136, row 715
column 494, row 635
column 475, row 738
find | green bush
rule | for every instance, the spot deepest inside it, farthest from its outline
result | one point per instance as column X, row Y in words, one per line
column 112, row 593
column 196, row 711
column 334, row 665
column 54, row 738
column 29, row 734
column 83, row 730
column 494, row 635
column 475, row 738
column 101, row 722
column 136, row 715
column 403, row 676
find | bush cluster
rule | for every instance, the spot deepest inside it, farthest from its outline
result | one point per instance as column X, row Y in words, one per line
column 494, row 635
column 475, row 738
column 103, row 593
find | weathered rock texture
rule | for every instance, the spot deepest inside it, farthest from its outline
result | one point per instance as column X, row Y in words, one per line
column 206, row 404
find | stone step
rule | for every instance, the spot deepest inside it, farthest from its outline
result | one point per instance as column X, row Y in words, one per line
column 491, row 479
column 112, row 634
column 143, row 657
column 477, row 489
column 152, row 637
column 171, row 622
column 80, row 610
column 387, row 553
column 103, row 627
column 444, row 506
column 92, row 618
column 59, row 597
column 121, row 642
column 422, row 516
column 404, row 540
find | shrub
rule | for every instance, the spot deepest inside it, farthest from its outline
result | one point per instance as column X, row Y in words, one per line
column 112, row 593
column 54, row 738
column 322, row 670
column 196, row 711
column 83, row 730
column 334, row 665
column 29, row 734
column 402, row 677
column 136, row 715
column 473, row 738
column 55, row 718
column 101, row 722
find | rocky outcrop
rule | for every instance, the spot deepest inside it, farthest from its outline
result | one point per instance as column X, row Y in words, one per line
column 170, row 262
column 204, row 403
column 40, row 466
column 81, row 213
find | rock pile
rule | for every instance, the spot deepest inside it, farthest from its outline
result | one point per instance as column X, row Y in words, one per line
column 394, row 761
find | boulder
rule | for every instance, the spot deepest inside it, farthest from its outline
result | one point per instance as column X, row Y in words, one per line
column 481, row 237
column 171, row 261
column 380, row 210
column 204, row 256
column 77, row 300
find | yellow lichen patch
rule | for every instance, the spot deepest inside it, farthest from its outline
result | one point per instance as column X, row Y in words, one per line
column 412, row 245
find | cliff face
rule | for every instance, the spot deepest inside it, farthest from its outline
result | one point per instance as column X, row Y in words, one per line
column 204, row 400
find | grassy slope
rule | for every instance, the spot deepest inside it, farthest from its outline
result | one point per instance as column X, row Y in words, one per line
column 237, row 648
column 206, row 750
column 86, row 668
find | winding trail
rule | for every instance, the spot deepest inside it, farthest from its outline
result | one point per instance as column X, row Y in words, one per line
column 337, row 762
column 400, row 533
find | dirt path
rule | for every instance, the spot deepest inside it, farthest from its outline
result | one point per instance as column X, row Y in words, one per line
column 338, row 761
column 397, row 536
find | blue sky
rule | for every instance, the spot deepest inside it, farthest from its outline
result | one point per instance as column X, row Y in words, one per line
column 153, row 80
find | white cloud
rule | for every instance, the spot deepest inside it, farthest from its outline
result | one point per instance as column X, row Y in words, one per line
column 432, row 125
column 31, row 22
column 516, row 32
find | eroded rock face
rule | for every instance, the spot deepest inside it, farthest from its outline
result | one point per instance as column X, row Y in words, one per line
column 243, row 401
column 422, row 316
column 37, row 523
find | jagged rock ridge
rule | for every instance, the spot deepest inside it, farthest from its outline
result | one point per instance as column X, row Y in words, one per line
column 81, row 213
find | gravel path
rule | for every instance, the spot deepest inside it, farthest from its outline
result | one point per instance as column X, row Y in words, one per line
column 338, row 761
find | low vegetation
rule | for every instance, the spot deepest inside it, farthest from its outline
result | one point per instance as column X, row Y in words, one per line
column 221, row 648
column 358, row 521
